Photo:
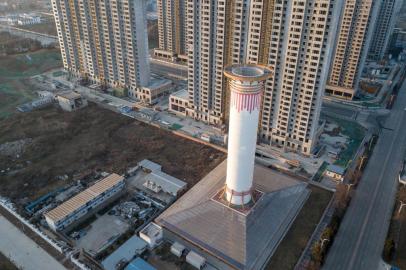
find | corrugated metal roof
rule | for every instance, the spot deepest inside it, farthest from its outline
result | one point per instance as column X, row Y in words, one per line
column 132, row 247
column 147, row 164
column 84, row 197
column 168, row 183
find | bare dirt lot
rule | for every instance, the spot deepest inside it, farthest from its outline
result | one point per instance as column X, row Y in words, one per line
column 51, row 143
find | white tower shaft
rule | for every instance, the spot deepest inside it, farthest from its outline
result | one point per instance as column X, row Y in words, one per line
column 246, row 86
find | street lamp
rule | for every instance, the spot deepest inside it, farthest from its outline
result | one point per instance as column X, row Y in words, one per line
column 401, row 206
column 348, row 188
column 348, row 163
column 361, row 163
column 322, row 242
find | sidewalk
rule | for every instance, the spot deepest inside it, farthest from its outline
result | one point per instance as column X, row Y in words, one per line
column 24, row 252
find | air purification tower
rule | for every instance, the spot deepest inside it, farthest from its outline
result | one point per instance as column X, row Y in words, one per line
column 237, row 215
column 246, row 87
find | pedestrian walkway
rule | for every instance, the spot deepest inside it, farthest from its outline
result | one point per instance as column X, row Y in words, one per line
column 24, row 252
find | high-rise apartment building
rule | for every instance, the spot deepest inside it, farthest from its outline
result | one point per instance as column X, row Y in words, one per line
column 294, row 39
column 354, row 37
column 216, row 37
column 383, row 28
column 172, row 30
column 104, row 41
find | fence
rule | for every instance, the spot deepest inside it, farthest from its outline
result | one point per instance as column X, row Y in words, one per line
column 9, row 208
column 78, row 264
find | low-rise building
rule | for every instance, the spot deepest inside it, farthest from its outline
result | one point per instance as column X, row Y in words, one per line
column 149, row 165
column 125, row 253
column 177, row 249
column 23, row 19
column 139, row 264
column 45, row 94
column 153, row 92
column 179, row 103
column 71, row 101
column 195, row 260
column 156, row 180
column 152, row 234
column 160, row 181
column 76, row 208
column 335, row 172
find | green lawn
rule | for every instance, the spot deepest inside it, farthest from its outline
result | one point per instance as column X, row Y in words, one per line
column 176, row 127
column 29, row 64
column 356, row 134
column 320, row 171
column 292, row 246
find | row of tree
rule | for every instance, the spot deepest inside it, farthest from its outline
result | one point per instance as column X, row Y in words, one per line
column 10, row 44
column 342, row 199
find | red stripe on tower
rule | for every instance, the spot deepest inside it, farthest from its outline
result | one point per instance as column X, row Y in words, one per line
column 245, row 102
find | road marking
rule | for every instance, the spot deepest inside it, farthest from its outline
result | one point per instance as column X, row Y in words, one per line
column 375, row 193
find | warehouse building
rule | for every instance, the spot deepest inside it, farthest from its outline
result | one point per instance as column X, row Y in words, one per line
column 78, row 206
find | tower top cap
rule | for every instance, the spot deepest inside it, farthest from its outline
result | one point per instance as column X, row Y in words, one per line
column 247, row 72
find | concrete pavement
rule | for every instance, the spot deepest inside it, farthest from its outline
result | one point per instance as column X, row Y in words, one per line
column 24, row 252
column 360, row 239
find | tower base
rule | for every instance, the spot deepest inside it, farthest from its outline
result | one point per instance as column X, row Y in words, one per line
column 231, row 237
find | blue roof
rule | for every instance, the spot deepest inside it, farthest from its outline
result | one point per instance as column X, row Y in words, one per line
column 336, row 169
column 139, row 264
column 132, row 247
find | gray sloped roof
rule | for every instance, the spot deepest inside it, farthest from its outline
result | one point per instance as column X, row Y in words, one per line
column 237, row 238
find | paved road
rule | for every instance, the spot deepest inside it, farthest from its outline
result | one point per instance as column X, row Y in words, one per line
column 360, row 240
column 167, row 69
column 23, row 251
column 43, row 38
column 339, row 109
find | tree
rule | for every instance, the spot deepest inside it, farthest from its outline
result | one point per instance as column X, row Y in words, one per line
column 402, row 193
column 341, row 199
column 317, row 253
column 327, row 233
column 388, row 249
